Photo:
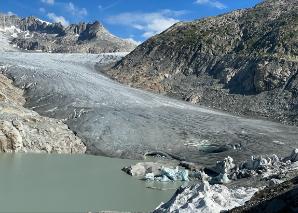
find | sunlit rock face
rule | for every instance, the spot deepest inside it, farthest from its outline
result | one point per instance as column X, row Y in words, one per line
column 244, row 62
column 23, row 130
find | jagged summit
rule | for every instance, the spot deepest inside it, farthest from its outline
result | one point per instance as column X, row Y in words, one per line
column 31, row 33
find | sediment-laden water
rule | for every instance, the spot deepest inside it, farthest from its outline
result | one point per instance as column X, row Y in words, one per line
column 73, row 183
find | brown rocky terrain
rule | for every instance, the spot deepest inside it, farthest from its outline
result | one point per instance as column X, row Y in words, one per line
column 245, row 62
column 23, row 130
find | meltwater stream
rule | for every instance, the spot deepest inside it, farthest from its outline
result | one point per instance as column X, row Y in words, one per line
column 73, row 183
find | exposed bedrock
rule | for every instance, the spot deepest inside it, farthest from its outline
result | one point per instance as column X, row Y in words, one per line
column 33, row 34
column 23, row 130
column 276, row 199
column 243, row 62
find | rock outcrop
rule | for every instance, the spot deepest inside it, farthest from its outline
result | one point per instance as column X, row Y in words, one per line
column 23, row 130
column 34, row 34
column 245, row 62
column 275, row 199
column 142, row 168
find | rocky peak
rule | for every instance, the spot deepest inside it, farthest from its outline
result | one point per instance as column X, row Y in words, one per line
column 7, row 21
column 53, row 37
column 96, row 25
column 76, row 28
column 32, row 24
column 92, row 31
column 54, row 28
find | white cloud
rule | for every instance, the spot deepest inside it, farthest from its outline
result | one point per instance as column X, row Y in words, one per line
column 10, row 13
column 50, row 2
column 149, row 23
column 133, row 41
column 76, row 11
column 106, row 7
column 212, row 3
column 58, row 19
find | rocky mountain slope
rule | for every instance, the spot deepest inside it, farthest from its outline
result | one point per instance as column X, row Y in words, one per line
column 277, row 199
column 34, row 34
column 23, row 130
column 245, row 62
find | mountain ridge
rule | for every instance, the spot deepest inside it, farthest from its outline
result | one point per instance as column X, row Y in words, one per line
column 31, row 33
column 243, row 62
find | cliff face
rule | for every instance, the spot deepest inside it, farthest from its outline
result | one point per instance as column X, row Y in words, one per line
column 245, row 61
column 34, row 34
column 23, row 130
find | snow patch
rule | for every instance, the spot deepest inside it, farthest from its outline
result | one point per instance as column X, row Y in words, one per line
column 14, row 35
column 48, row 23
column 11, row 29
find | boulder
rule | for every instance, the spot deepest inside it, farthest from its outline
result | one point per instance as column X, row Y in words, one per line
column 142, row 168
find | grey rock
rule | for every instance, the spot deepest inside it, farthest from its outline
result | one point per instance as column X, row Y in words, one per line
column 33, row 34
column 273, row 182
column 190, row 166
column 277, row 198
column 143, row 168
column 23, row 130
column 293, row 157
column 244, row 62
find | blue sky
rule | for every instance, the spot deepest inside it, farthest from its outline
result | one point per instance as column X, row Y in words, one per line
column 135, row 19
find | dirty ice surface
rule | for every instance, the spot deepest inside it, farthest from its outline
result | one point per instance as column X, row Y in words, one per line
column 116, row 120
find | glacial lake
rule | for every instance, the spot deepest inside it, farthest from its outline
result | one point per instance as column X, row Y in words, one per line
column 74, row 183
